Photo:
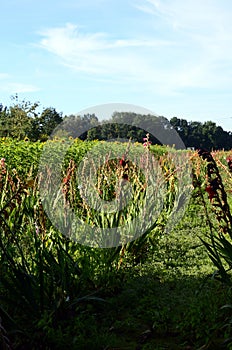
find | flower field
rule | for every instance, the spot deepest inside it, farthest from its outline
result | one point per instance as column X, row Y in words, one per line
column 165, row 283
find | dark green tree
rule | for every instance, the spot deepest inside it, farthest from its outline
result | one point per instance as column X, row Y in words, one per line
column 78, row 126
column 202, row 135
column 16, row 121
column 44, row 124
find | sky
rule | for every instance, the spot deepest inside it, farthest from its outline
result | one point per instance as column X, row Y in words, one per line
column 173, row 57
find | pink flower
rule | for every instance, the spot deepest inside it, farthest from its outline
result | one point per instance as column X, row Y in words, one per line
column 229, row 161
column 3, row 162
column 36, row 229
column 123, row 162
column 147, row 144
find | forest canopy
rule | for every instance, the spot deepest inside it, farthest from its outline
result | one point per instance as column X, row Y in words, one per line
column 25, row 120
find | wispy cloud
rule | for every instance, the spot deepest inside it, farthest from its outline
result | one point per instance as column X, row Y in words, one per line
column 21, row 88
column 11, row 87
column 207, row 24
column 125, row 61
column 193, row 15
column 194, row 51
column 97, row 52
column 4, row 76
column 205, row 29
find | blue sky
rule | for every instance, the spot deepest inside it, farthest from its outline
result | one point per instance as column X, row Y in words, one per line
column 173, row 57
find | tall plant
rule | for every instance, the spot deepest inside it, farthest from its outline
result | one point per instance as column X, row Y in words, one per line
column 217, row 187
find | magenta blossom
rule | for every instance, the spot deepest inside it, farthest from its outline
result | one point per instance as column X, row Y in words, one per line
column 147, row 144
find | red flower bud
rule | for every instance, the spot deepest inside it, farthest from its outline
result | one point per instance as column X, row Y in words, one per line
column 211, row 192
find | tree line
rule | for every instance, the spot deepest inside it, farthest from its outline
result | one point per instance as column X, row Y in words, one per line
column 206, row 135
column 24, row 120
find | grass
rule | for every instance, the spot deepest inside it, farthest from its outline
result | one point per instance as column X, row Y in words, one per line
column 170, row 301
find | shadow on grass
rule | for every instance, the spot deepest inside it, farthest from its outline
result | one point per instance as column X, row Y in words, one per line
column 151, row 313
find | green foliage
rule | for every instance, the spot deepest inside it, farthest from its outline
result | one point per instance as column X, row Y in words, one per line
column 16, row 120
column 22, row 156
column 218, row 242
column 218, row 245
column 44, row 124
column 44, row 276
column 202, row 135
column 156, row 292
column 77, row 126
column 23, row 120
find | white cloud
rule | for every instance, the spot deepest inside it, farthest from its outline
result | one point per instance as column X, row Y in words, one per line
column 190, row 15
column 21, row 88
column 193, row 52
column 100, row 55
column 204, row 28
column 14, row 87
column 4, row 76
column 207, row 22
